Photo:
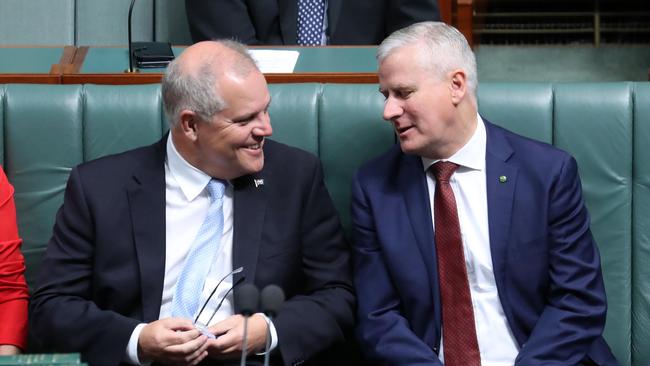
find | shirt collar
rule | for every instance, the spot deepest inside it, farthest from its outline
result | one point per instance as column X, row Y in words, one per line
column 191, row 180
column 472, row 154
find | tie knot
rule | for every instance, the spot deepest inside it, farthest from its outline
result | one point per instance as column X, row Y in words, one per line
column 216, row 188
column 443, row 170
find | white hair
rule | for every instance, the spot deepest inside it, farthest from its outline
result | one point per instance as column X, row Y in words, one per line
column 444, row 49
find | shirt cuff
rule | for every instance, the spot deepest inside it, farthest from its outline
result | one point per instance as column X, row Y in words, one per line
column 131, row 355
column 274, row 334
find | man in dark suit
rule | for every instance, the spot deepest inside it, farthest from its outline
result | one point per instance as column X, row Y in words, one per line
column 110, row 280
column 472, row 243
column 275, row 22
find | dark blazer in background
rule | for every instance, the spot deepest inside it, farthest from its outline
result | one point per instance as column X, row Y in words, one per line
column 104, row 266
column 546, row 264
column 273, row 22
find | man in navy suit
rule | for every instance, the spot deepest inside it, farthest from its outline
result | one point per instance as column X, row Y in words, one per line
column 472, row 243
column 107, row 284
column 275, row 22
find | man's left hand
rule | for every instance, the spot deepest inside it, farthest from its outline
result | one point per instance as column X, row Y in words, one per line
column 230, row 334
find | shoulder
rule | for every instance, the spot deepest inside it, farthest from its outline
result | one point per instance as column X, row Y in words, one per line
column 384, row 166
column 282, row 157
column 115, row 167
column 523, row 147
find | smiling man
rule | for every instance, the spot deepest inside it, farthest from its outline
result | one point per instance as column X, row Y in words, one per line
column 472, row 244
column 145, row 238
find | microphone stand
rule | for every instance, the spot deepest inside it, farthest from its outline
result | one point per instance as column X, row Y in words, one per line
column 271, row 299
column 130, row 70
column 248, row 301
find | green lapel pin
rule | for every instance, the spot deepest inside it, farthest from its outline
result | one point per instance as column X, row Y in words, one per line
column 503, row 179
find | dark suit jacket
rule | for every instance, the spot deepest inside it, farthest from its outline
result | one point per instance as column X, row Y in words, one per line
column 104, row 267
column 274, row 22
column 545, row 261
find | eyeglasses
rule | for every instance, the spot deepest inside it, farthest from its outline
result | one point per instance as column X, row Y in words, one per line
column 223, row 298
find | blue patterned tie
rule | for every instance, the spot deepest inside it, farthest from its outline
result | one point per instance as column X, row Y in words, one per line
column 310, row 22
column 201, row 256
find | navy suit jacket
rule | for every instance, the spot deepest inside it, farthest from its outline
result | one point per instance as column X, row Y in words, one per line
column 545, row 261
column 104, row 266
column 274, row 22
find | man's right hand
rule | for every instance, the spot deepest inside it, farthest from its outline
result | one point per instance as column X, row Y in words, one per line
column 172, row 341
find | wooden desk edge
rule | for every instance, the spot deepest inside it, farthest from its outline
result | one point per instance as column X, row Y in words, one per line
column 153, row 78
column 30, row 79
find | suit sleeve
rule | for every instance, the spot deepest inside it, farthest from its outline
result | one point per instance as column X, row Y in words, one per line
column 63, row 318
column 13, row 289
column 323, row 314
column 383, row 330
column 402, row 13
column 574, row 315
column 216, row 19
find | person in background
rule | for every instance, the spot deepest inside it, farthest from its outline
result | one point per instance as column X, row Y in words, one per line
column 472, row 244
column 13, row 288
column 305, row 22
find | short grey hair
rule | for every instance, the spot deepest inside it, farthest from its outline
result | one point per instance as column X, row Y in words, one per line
column 197, row 90
column 444, row 49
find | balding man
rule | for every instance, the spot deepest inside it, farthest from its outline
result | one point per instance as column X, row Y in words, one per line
column 140, row 265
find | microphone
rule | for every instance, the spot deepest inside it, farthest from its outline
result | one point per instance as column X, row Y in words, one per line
column 246, row 300
column 147, row 54
column 271, row 299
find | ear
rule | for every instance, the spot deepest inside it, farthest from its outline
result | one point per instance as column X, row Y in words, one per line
column 188, row 124
column 458, row 86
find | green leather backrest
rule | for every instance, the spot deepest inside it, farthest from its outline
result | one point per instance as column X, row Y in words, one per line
column 45, row 130
column 351, row 131
column 641, row 227
column 529, row 109
column 294, row 114
column 37, row 22
column 43, row 141
column 594, row 123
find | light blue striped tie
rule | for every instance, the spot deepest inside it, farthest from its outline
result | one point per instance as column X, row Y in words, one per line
column 201, row 256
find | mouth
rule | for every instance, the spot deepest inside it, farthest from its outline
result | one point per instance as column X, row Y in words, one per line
column 402, row 130
column 256, row 146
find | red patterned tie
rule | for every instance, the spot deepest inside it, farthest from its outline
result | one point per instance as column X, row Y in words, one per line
column 459, row 330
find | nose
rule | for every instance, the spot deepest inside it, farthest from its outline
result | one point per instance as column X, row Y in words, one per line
column 264, row 128
column 392, row 108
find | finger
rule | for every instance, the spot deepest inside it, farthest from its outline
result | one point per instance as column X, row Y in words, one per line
column 230, row 340
column 185, row 336
column 198, row 355
column 188, row 348
column 180, row 324
column 199, row 358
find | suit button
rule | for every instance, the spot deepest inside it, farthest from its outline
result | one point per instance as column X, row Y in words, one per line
column 435, row 349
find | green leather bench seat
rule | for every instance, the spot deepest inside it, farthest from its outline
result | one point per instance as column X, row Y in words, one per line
column 47, row 129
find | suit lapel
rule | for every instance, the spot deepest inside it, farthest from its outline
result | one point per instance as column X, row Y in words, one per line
column 249, row 209
column 501, row 182
column 146, row 195
column 413, row 185
column 333, row 11
column 288, row 20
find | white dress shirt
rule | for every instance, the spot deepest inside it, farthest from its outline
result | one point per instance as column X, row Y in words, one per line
column 187, row 201
column 495, row 339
